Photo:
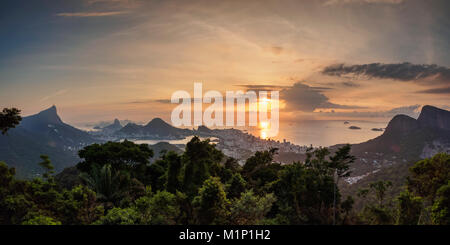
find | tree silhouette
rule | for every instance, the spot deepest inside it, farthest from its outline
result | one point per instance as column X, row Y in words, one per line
column 9, row 118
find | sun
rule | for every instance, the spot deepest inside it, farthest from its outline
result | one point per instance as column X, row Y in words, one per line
column 264, row 125
column 263, row 135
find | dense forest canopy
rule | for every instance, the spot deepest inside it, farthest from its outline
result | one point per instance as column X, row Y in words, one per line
column 116, row 184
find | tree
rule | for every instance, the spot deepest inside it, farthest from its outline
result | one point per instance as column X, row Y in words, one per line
column 440, row 211
column 346, row 208
column 211, row 204
column 41, row 220
column 232, row 164
column 235, row 186
column 380, row 188
column 79, row 206
column 9, row 118
column 173, row 173
column 307, row 192
column 251, row 209
column 260, row 171
column 304, row 196
column 124, row 155
column 340, row 162
column 409, row 208
column 428, row 175
column 377, row 214
column 198, row 158
column 48, row 166
column 119, row 216
column 162, row 207
column 259, row 160
column 110, row 185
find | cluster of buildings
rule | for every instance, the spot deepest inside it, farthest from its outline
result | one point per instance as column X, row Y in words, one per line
column 241, row 145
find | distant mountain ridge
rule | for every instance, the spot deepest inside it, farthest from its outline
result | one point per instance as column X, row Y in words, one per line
column 112, row 128
column 156, row 128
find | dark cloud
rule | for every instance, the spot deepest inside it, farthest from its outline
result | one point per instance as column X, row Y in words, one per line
column 301, row 97
column 401, row 71
column 347, row 84
column 436, row 91
column 258, row 87
column 350, row 84
column 412, row 111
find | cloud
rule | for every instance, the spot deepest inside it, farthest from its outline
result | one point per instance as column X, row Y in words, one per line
column 412, row 111
column 277, row 50
column 350, row 84
column 261, row 87
column 92, row 14
column 57, row 93
column 334, row 2
column 436, row 91
column 401, row 71
column 301, row 97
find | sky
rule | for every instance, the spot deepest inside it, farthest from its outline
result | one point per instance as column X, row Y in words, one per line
column 330, row 59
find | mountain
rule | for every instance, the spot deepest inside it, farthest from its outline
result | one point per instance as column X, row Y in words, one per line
column 404, row 141
column 48, row 124
column 409, row 138
column 112, row 128
column 156, row 128
column 433, row 117
column 160, row 147
column 42, row 133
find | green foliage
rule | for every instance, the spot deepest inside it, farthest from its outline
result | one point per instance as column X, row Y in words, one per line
column 258, row 161
column 173, row 172
column 260, row 171
column 377, row 213
column 307, row 192
column 9, row 118
column 440, row 211
column 156, row 174
column 198, row 160
column 428, row 175
column 48, row 166
column 409, row 209
column 124, row 155
column 80, row 206
column 235, row 186
column 305, row 195
column 120, row 216
column 250, row 209
column 162, row 207
column 41, row 220
column 211, row 203
column 346, row 208
column 232, row 164
column 380, row 188
column 110, row 185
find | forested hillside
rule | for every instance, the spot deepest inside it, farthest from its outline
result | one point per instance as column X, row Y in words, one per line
column 116, row 184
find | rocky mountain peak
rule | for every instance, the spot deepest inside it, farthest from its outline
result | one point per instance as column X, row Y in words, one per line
column 433, row 117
